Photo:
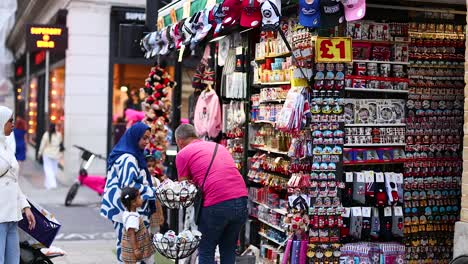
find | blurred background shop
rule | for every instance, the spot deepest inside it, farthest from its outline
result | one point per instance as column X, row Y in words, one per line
column 90, row 84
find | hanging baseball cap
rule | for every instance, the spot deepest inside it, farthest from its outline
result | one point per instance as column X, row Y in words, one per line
column 202, row 27
column 232, row 12
column 354, row 9
column 271, row 14
column 178, row 34
column 187, row 30
column 309, row 13
column 165, row 42
column 215, row 18
column 251, row 15
column 158, row 45
column 332, row 13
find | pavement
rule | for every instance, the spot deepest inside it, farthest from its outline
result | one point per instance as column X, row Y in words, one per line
column 85, row 236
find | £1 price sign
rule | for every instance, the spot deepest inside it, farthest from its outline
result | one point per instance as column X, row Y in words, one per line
column 333, row 50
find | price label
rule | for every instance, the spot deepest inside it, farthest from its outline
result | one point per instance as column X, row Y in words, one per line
column 399, row 178
column 349, row 177
column 398, row 211
column 360, row 177
column 369, row 176
column 388, row 211
column 356, row 211
column 379, row 177
column 346, row 212
column 333, row 50
column 366, row 211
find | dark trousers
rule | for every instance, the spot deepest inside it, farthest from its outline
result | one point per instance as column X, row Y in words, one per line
column 220, row 224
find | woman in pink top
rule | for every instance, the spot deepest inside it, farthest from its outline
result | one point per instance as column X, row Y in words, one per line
column 225, row 194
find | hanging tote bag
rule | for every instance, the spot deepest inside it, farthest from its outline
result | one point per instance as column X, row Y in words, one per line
column 47, row 226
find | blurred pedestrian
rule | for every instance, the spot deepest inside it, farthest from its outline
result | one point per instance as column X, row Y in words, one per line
column 224, row 208
column 126, row 167
column 50, row 152
column 14, row 202
column 20, row 132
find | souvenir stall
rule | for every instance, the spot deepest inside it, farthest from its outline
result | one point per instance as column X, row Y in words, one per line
column 345, row 118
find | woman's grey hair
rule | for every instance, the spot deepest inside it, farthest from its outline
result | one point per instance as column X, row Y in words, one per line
column 185, row 131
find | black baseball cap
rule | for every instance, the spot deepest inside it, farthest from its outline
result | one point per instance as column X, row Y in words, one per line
column 332, row 13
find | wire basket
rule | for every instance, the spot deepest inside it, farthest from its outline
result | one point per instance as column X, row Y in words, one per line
column 176, row 199
column 179, row 249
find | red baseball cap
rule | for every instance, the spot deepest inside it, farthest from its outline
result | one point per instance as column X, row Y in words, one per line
column 232, row 12
column 251, row 15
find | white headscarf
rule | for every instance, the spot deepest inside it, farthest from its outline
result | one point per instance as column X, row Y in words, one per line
column 5, row 115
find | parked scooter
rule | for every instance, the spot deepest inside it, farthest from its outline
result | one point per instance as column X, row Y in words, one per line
column 94, row 182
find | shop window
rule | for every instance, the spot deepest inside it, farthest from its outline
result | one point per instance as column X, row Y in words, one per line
column 57, row 98
column 32, row 110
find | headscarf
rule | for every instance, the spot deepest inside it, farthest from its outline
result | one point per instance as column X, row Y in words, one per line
column 128, row 144
column 5, row 115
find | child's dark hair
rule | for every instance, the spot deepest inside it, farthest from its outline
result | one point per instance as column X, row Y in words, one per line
column 128, row 195
column 150, row 158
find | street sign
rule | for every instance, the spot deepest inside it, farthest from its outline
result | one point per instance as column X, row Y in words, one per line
column 46, row 37
column 333, row 50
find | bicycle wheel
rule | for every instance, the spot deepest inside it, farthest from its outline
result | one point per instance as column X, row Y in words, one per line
column 72, row 193
column 42, row 260
column 460, row 260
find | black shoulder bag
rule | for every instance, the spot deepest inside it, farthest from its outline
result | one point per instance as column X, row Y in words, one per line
column 198, row 203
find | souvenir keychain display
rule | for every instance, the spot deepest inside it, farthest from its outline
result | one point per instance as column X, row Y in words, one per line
column 325, row 213
column 434, row 124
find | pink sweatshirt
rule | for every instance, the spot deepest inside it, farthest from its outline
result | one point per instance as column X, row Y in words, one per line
column 207, row 117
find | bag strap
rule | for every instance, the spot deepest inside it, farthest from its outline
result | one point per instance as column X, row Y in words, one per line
column 288, row 46
column 209, row 167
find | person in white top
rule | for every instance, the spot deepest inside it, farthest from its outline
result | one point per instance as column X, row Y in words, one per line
column 14, row 202
column 50, row 152
column 137, row 246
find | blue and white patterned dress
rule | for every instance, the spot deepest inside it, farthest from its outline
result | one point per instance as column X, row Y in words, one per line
column 125, row 172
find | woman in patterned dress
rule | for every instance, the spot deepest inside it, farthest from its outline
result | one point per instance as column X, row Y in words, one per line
column 126, row 166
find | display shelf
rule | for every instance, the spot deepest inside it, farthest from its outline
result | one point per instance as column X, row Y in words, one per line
column 272, row 225
column 375, row 145
column 272, row 101
column 275, row 83
column 264, row 122
column 276, row 210
column 383, row 62
column 271, row 150
column 272, row 56
column 437, row 78
column 375, row 125
column 373, row 162
column 437, row 66
column 382, row 41
column 435, row 35
column 271, row 239
column 376, row 90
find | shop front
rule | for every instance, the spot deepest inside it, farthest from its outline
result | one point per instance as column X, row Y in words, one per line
column 32, row 103
column 346, row 120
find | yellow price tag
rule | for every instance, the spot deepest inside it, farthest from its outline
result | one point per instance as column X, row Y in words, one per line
column 333, row 50
column 160, row 23
column 173, row 16
column 187, row 5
